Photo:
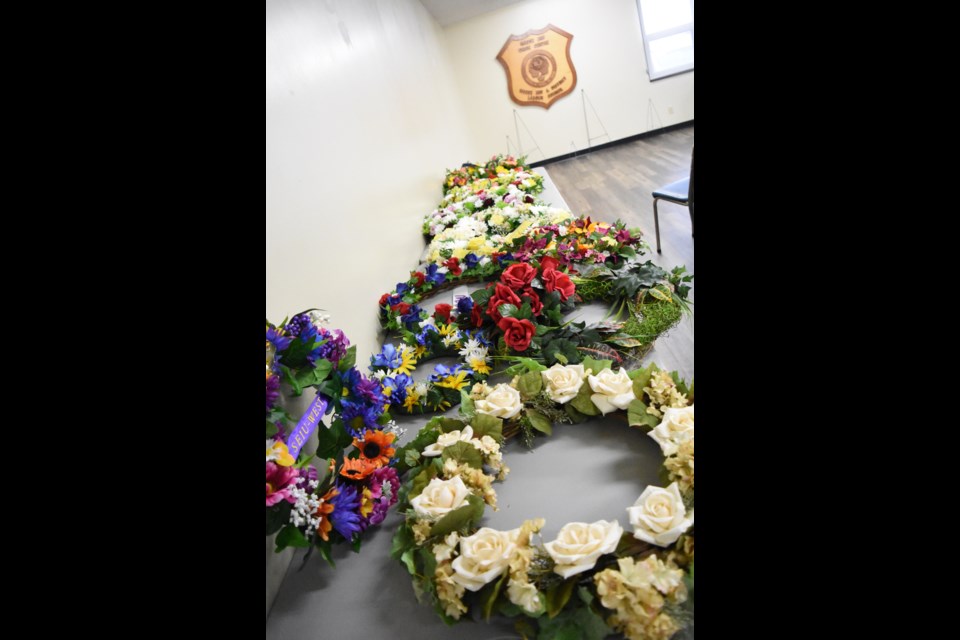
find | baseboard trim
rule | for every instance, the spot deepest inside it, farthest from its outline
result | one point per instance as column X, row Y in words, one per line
column 607, row 145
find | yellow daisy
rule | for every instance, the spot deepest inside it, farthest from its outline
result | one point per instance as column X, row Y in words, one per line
column 478, row 364
column 408, row 361
column 455, row 382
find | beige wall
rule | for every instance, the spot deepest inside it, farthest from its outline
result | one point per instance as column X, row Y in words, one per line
column 362, row 118
column 607, row 52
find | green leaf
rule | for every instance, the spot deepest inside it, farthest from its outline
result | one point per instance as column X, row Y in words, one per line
column 540, row 422
column 422, row 479
column 450, row 424
column 559, row 595
column 459, row 519
column 407, row 559
column 271, row 429
column 467, row 410
column 660, row 295
column 290, row 536
column 641, row 379
column 277, row 516
column 582, row 402
column 690, row 395
column 681, row 385
column 402, row 541
column 357, row 541
column 625, row 342
column 487, row 425
column 348, row 360
column 596, row 365
column 411, row 457
column 463, row 453
column 575, row 415
column 488, row 595
column 289, row 378
column 329, row 440
column 508, row 310
column 530, row 384
column 637, row 415
column 325, row 547
column 561, row 350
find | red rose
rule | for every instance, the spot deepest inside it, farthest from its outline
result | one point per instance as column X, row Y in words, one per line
column 401, row 308
column 535, row 305
column 548, row 263
column 454, row 265
column 554, row 280
column 517, row 276
column 442, row 312
column 383, row 299
column 503, row 295
column 419, row 276
column 476, row 316
column 517, row 333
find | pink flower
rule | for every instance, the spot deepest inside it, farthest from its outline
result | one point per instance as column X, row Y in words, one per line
column 280, row 481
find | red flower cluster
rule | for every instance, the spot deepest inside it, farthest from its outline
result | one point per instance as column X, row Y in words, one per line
column 515, row 288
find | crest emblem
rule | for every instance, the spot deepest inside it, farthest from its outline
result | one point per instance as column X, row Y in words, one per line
column 538, row 65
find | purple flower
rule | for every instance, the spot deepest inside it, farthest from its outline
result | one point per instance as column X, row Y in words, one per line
column 471, row 260
column 278, row 340
column 413, row 315
column 402, row 288
column 297, row 324
column 358, row 417
column 273, row 390
column 369, row 390
column 623, row 236
column 434, row 276
column 335, row 346
column 307, row 474
column 465, row 305
column 384, row 483
column 346, row 513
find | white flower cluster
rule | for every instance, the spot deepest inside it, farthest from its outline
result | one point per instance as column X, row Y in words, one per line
column 474, row 354
column 306, row 505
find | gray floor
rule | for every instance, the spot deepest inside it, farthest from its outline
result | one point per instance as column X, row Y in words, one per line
column 583, row 472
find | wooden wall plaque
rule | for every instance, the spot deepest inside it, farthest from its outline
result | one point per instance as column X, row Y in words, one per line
column 538, row 65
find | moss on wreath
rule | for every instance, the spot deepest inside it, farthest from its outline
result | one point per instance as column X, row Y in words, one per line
column 656, row 317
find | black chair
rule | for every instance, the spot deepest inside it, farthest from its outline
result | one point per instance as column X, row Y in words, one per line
column 679, row 192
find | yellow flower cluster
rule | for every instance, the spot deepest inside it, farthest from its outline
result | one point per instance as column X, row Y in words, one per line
column 680, row 467
column 519, row 589
column 474, row 478
column 637, row 592
column 421, row 530
column 449, row 593
column 682, row 553
column 663, row 392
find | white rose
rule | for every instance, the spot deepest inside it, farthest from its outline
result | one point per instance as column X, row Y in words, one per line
column 483, row 556
column 613, row 390
column 579, row 545
column 440, row 497
column 525, row 595
column 448, row 439
column 502, row 402
column 658, row 516
column 563, row 382
column 675, row 429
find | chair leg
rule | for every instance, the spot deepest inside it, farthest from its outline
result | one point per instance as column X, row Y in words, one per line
column 656, row 222
column 691, row 219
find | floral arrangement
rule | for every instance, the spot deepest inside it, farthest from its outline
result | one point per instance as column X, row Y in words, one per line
column 469, row 172
column 594, row 579
column 490, row 196
column 543, row 261
column 351, row 490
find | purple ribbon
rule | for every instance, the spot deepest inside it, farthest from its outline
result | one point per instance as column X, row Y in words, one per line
column 306, row 426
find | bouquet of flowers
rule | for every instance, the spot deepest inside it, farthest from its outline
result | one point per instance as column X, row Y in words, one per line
column 351, row 490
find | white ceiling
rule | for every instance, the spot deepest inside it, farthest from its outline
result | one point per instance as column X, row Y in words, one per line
column 447, row 12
